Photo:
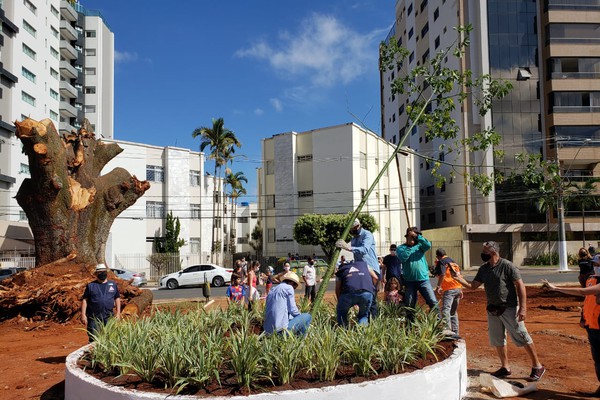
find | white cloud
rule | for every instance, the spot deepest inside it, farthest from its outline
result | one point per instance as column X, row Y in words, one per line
column 259, row 111
column 324, row 49
column 276, row 103
column 125, row 56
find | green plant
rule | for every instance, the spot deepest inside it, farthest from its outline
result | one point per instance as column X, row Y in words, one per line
column 324, row 351
column 545, row 259
column 426, row 332
column 287, row 356
column 360, row 348
column 246, row 357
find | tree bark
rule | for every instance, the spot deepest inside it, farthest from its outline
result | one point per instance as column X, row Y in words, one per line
column 70, row 207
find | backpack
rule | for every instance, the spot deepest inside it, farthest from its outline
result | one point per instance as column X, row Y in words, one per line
column 437, row 271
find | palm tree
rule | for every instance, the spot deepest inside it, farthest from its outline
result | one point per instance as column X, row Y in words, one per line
column 584, row 197
column 222, row 143
column 237, row 189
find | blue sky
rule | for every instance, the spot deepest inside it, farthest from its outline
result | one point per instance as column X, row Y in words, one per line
column 266, row 67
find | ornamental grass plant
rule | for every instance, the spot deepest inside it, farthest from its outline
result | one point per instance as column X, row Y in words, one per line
column 189, row 350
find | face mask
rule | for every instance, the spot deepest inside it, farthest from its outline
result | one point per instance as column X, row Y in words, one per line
column 486, row 257
column 102, row 275
column 286, row 268
column 354, row 231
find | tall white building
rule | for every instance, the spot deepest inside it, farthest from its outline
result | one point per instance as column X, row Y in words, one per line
column 246, row 220
column 57, row 62
column 327, row 171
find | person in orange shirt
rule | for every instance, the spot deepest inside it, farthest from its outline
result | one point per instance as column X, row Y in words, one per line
column 449, row 289
column 589, row 315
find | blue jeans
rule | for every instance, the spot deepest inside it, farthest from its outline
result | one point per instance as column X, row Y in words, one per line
column 347, row 300
column 423, row 287
column 94, row 324
column 299, row 324
column 450, row 300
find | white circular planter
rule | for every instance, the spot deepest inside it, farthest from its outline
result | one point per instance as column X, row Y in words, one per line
column 445, row 380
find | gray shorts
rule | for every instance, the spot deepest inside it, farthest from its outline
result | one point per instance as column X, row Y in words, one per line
column 508, row 321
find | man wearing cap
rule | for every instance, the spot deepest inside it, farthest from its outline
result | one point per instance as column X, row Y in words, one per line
column 354, row 287
column 99, row 299
column 506, row 308
column 415, row 269
column 362, row 246
column 281, row 312
column 392, row 268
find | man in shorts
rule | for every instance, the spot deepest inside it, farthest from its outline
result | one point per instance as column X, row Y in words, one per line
column 506, row 308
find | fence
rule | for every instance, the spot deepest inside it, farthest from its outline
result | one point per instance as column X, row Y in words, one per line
column 17, row 262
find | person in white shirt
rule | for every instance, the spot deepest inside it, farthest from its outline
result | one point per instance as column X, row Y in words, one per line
column 309, row 274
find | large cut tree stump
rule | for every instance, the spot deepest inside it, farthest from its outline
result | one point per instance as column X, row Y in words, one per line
column 70, row 208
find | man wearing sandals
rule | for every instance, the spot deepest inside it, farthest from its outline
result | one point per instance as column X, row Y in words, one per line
column 506, row 308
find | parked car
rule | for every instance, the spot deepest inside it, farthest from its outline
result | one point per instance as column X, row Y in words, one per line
column 196, row 275
column 8, row 272
column 139, row 278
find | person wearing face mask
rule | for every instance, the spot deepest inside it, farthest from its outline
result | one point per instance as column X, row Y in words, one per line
column 99, row 299
column 590, row 314
column 362, row 246
column 278, row 278
column 506, row 308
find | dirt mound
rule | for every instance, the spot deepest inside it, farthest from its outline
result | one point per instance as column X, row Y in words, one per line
column 52, row 292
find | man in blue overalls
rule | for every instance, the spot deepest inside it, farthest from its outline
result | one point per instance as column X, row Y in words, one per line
column 99, row 299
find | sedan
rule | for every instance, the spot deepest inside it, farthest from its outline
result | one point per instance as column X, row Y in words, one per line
column 137, row 278
column 196, row 275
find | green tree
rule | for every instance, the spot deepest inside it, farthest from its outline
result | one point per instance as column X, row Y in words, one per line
column 222, row 143
column 170, row 243
column 584, row 196
column 235, row 182
column 324, row 229
column 256, row 239
column 435, row 91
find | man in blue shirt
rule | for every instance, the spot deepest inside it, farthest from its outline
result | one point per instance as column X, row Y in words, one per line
column 281, row 312
column 415, row 269
column 99, row 299
column 362, row 246
column 354, row 286
column 392, row 266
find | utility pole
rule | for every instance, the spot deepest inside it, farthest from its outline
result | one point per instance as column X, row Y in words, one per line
column 560, row 208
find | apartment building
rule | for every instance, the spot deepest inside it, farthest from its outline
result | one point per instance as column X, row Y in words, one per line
column 548, row 51
column 57, row 62
column 246, row 219
column 328, row 171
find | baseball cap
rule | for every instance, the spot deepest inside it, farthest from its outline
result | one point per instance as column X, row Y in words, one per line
column 393, row 247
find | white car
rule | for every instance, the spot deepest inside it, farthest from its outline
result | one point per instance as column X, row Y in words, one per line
column 137, row 278
column 196, row 275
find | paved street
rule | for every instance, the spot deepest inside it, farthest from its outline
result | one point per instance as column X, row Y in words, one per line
column 530, row 276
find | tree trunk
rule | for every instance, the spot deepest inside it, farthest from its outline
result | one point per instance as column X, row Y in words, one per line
column 70, row 207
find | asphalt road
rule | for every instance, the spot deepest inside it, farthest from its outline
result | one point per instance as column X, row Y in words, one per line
column 530, row 276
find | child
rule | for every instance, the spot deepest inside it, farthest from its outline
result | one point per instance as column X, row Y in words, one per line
column 269, row 280
column 392, row 292
column 235, row 291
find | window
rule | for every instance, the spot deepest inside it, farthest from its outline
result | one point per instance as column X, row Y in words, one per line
column 436, row 14
column 271, row 235
column 305, row 193
column 437, row 42
column 195, row 245
column 242, row 240
column 410, row 9
column 409, row 204
column 270, row 199
column 30, row 6
column 90, row 71
column 90, row 52
column 89, row 109
column 425, row 29
column 54, row 11
column 90, row 90
column 394, row 139
column 24, row 169
column 29, row 51
column 154, row 173
column 411, row 32
column 242, row 220
column 444, row 216
column 54, row 31
column 195, row 211
column 29, row 28
column 363, row 193
column 54, row 115
column 431, row 218
column 270, row 167
column 425, row 56
column 155, row 209
column 217, row 196
column 90, row 34
column 54, row 94
column 194, row 178
column 386, row 202
column 388, row 234
column 411, row 57
column 53, row 73
column 54, row 52
column 306, row 157
column 423, row 5
column 363, row 160
column 408, row 174
column 254, row 215
column 27, row 98
column 443, row 187
column 430, row 190
column 28, row 74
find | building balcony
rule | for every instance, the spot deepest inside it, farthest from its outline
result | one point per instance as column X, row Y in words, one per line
column 573, row 5
column 65, row 127
column 67, row 70
column 576, row 109
column 67, row 50
column 67, row 110
column 67, row 31
column 68, row 11
column 67, row 90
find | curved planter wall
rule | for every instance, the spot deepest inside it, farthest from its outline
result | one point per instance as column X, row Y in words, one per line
column 445, row 380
